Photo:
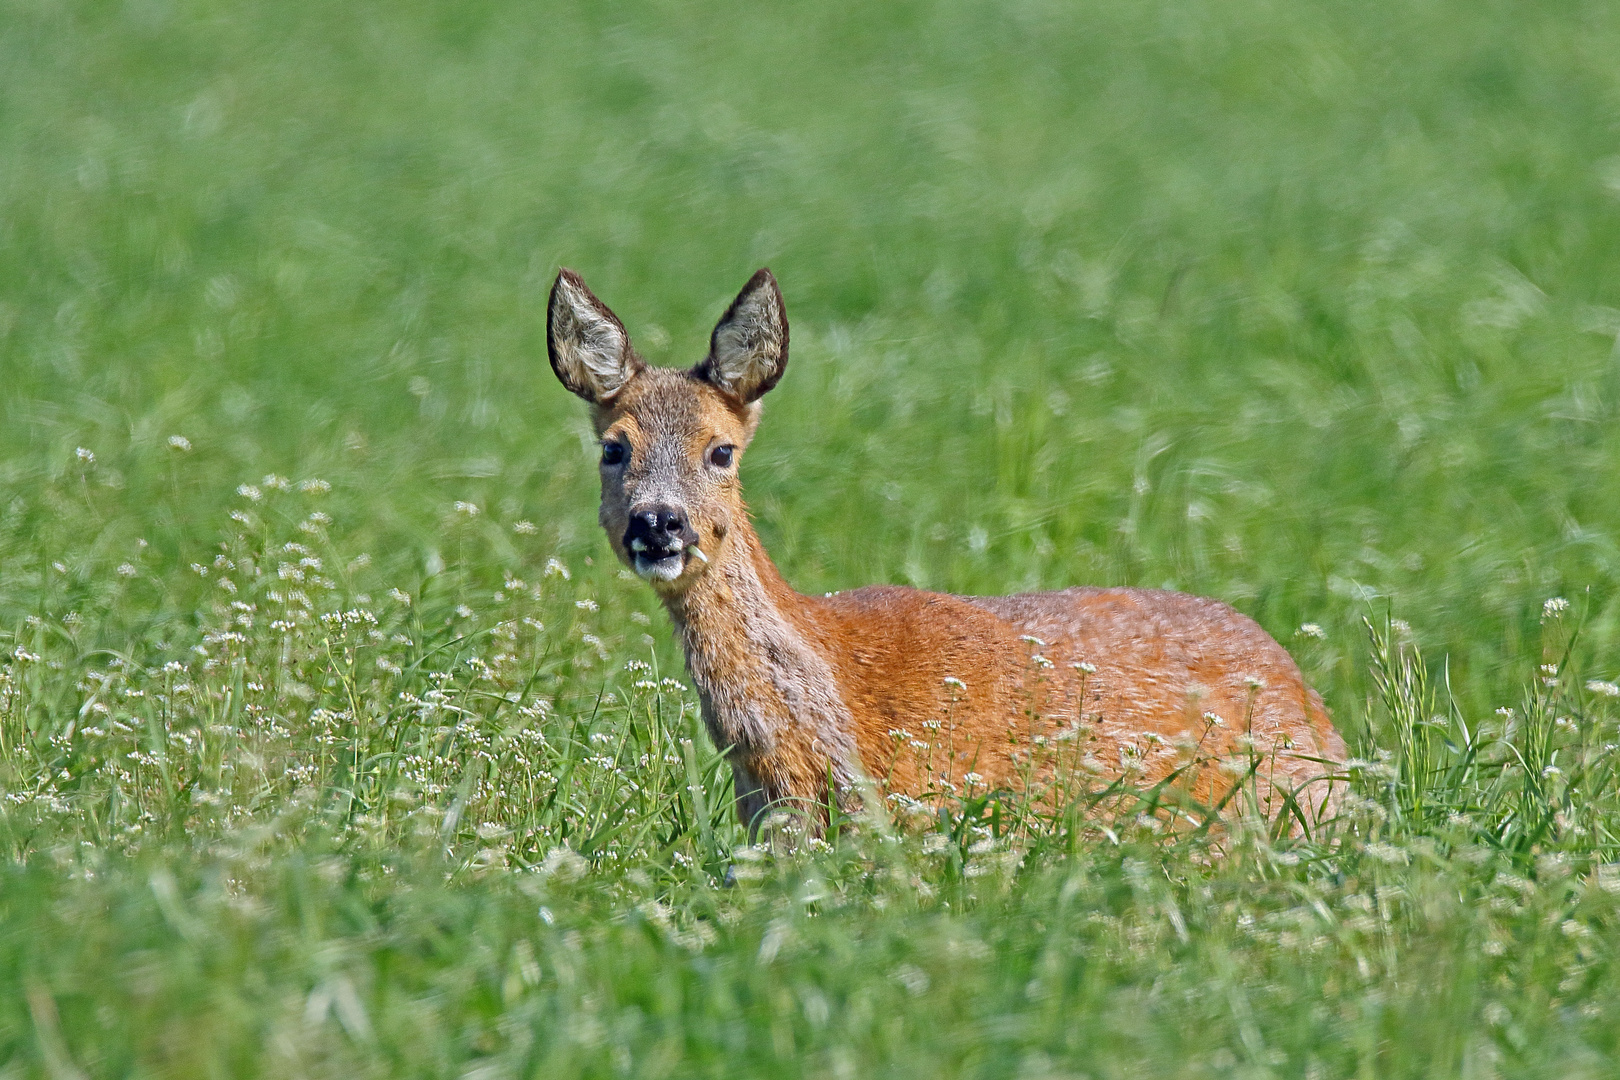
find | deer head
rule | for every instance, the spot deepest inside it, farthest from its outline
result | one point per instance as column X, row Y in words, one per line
column 671, row 439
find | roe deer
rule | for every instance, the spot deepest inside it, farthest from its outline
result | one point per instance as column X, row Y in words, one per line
column 804, row 692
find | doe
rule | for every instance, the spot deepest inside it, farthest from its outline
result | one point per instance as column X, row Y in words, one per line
column 813, row 697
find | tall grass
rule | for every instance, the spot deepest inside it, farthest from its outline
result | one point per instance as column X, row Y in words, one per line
column 332, row 743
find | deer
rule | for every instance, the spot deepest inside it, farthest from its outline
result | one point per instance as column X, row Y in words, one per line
column 816, row 699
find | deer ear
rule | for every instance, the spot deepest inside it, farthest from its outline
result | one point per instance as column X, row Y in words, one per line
column 590, row 352
column 748, row 350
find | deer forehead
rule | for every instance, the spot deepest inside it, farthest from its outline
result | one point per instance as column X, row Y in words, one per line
column 668, row 408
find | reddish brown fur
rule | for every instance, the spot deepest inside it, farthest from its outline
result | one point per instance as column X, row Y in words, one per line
column 801, row 689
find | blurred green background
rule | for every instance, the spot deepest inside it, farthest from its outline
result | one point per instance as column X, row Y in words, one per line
column 1307, row 306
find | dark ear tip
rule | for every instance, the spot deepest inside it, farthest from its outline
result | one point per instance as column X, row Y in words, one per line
column 764, row 279
column 573, row 280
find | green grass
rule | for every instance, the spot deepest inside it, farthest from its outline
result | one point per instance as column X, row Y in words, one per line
column 1309, row 307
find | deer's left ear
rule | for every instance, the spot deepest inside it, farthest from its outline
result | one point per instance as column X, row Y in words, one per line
column 748, row 350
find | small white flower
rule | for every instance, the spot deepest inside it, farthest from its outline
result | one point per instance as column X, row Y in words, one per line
column 1311, row 629
column 952, row 680
column 1604, row 687
column 526, row 528
column 556, row 568
column 250, row 493
column 586, row 605
column 85, row 456
column 315, row 487
column 180, row 443
column 127, row 570
column 1554, row 607
column 1082, row 666
column 470, row 509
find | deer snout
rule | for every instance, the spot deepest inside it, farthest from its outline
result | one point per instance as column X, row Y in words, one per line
column 658, row 532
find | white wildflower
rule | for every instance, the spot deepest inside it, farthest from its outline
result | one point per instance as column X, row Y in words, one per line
column 180, row 443
column 1604, row 687
column 563, row 863
column 1311, row 629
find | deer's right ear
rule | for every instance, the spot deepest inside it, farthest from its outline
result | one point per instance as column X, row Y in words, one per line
column 590, row 352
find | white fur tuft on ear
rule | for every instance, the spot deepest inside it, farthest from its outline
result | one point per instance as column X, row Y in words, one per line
column 590, row 352
column 748, row 350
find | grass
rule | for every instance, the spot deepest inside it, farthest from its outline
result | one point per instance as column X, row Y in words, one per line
column 333, row 743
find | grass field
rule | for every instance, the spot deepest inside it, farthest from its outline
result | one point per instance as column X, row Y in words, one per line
column 334, row 743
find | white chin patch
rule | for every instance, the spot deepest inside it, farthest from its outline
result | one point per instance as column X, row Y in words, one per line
column 666, row 569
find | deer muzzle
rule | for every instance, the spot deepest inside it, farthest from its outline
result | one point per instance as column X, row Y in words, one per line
column 658, row 539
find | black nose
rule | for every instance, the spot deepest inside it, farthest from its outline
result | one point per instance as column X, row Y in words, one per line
column 659, row 530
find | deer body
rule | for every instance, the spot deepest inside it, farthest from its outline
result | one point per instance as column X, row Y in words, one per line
column 915, row 690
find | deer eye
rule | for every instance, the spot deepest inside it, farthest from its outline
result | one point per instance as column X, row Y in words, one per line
column 721, row 456
column 613, row 453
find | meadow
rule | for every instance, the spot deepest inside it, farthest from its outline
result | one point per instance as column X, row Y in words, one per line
column 333, row 741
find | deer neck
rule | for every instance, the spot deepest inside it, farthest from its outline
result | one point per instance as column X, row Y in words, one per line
column 759, row 657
